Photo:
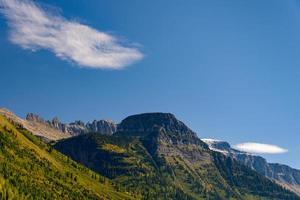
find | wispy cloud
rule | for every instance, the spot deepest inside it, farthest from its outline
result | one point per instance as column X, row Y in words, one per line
column 33, row 27
column 252, row 147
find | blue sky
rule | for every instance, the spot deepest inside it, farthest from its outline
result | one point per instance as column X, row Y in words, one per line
column 229, row 69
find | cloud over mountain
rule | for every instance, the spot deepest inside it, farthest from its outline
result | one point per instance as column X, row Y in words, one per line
column 33, row 27
column 252, row 147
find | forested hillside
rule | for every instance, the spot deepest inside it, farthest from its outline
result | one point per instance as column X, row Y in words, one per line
column 31, row 169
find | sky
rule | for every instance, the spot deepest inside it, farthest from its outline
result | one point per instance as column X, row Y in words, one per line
column 228, row 69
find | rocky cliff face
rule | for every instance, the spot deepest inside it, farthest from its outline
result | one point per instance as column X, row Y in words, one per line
column 283, row 174
column 103, row 126
column 77, row 127
column 35, row 118
column 162, row 126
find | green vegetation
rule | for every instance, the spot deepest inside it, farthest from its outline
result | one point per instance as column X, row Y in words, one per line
column 31, row 169
column 152, row 167
column 130, row 167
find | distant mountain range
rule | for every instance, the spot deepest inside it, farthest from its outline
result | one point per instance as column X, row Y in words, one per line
column 146, row 156
column 282, row 174
column 78, row 127
column 53, row 130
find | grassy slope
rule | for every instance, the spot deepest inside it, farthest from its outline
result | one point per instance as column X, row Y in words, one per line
column 30, row 169
column 37, row 128
column 176, row 172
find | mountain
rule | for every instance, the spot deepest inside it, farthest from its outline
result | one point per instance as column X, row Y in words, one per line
column 76, row 128
column 55, row 130
column 159, row 157
column 32, row 169
column 282, row 174
column 36, row 127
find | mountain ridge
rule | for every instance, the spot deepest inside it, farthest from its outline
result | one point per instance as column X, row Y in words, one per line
column 160, row 148
column 282, row 174
column 77, row 127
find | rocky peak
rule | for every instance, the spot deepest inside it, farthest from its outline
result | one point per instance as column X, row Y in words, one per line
column 218, row 145
column 104, row 126
column 78, row 123
column 35, row 118
column 158, row 128
column 56, row 123
column 149, row 122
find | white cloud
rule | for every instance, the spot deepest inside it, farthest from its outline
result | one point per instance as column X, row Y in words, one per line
column 33, row 27
column 252, row 147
